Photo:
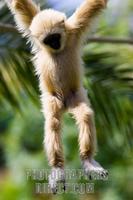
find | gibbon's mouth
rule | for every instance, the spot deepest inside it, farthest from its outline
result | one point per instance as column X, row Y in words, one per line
column 53, row 40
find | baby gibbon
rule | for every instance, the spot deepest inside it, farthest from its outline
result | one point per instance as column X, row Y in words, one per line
column 56, row 44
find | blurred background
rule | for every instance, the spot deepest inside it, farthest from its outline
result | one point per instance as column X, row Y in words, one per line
column 108, row 59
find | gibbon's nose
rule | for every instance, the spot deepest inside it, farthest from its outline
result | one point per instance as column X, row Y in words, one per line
column 53, row 40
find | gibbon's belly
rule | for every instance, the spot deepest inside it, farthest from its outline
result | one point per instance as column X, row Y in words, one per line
column 61, row 82
column 61, row 74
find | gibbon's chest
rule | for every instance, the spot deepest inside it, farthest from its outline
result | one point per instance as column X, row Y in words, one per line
column 60, row 73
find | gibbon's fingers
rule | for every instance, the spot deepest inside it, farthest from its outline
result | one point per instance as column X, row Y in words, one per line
column 8, row 1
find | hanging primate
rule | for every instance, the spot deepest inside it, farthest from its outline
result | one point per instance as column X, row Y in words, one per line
column 56, row 44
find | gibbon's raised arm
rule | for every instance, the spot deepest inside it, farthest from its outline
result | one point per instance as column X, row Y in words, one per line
column 81, row 19
column 24, row 11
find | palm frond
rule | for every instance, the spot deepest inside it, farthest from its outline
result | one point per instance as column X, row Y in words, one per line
column 16, row 70
column 109, row 80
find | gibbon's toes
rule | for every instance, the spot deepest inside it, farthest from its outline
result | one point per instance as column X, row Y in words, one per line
column 58, row 186
column 54, row 190
column 103, row 174
column 57, row 180
column 93, row 170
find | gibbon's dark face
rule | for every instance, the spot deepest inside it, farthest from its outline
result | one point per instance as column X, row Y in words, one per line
column 53, row 41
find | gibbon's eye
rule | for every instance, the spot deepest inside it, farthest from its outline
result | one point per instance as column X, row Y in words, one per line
column 53, row 40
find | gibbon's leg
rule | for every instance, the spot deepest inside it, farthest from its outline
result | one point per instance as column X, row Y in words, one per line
column 52, row 110
column 80, row 108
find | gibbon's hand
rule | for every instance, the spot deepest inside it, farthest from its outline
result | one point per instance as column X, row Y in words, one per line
column 105, row 1
column 9, row 1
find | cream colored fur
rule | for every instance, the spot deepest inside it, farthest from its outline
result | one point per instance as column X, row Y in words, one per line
column 60, row 71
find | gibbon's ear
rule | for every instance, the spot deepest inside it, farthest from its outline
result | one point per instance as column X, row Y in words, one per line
column 24, row 11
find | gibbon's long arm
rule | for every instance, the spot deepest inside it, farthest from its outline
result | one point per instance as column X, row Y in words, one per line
column 81, row 19
column 24, row 11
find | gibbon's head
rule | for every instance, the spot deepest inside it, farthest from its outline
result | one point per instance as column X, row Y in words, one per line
column 48, row 29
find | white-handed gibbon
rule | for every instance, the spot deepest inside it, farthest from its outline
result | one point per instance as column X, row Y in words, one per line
column 56, row 44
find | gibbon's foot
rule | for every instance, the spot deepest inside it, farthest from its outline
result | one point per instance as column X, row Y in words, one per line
column 93, row 170
column 57, row 179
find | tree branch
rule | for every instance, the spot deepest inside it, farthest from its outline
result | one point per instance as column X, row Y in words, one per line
column 8, row 28
column 110, row 40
